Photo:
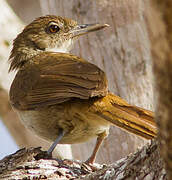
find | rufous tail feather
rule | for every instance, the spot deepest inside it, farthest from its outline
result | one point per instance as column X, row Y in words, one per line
column 131, row 118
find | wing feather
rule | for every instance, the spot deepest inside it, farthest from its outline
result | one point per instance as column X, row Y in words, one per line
column 54, row 78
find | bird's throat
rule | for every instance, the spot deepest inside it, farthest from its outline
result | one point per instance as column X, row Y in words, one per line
column 64, row 47
column 57, row 50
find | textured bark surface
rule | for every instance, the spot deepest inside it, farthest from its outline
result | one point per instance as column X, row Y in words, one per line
column 161, row 32
column 24, row 164
column 122, row 51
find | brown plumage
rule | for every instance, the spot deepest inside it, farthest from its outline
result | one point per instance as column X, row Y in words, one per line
column 63, row 97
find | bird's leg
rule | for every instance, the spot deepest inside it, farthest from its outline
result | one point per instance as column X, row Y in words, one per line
column 99, row 141
column 52, row 147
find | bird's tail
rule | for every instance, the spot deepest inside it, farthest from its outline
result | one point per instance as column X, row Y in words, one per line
column 131, row 118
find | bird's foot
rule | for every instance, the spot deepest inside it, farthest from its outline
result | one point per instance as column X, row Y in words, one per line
column 43, row 155
column 89, row 163
column 85, row 166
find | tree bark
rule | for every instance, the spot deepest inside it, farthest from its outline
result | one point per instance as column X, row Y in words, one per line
column 161, row 33
column 24, row 164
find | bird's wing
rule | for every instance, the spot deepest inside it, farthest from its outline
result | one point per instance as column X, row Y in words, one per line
column 54, row 78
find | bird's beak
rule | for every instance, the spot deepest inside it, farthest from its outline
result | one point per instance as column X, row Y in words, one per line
column 82, row 29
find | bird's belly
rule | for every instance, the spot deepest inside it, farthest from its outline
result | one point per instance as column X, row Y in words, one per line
column 79, row 126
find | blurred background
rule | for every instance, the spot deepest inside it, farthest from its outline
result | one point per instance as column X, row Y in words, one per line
column 8, row 144
column 123, row 52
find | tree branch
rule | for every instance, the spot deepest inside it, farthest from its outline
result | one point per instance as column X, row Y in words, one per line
column 24, row 164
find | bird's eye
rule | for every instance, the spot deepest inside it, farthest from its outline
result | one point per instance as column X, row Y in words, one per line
column 53, row 28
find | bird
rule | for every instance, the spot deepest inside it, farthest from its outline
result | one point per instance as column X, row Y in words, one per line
column 62, row 97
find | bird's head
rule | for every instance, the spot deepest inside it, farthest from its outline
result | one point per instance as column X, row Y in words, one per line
column 47, row 33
